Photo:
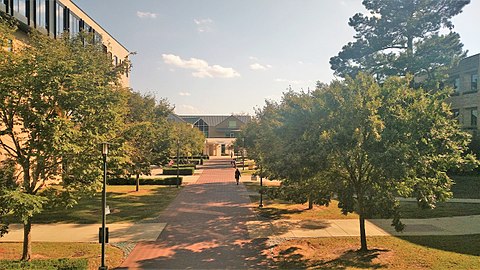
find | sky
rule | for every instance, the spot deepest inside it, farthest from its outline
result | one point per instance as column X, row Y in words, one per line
column 229, row 56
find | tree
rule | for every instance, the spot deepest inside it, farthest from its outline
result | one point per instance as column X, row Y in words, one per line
column 388, row 141
column 190, row 140
column 402, row 37
column 147, row 136
column 59, row 99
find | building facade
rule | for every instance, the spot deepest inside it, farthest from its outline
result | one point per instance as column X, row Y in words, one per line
column 220, row 130
column 465, row 101
column 56, row 18
column 61, row 17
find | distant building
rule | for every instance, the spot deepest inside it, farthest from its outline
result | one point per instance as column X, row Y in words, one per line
column 220, row 130
column 465, row 101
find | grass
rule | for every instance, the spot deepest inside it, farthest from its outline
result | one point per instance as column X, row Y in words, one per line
column 466, row 187
column 448, row 209
column 47, row 251
column 412, row 252
column 125, row 204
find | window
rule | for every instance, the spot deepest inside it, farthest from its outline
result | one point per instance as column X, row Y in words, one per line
column 20, row 6
column 456, row 113
column 59, row 19
column 115, row 60
column 41, row 13
column 232, row 124
column 74, row 25
column 456, row 84
column 474, row 81
column 202, row 126
column 473, row 116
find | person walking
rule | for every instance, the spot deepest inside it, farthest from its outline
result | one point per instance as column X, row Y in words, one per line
column 237, row 175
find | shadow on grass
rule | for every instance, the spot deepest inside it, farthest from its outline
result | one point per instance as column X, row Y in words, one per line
column 349, row 259
column 463, row 244
column 276, row 213
column 124, row 206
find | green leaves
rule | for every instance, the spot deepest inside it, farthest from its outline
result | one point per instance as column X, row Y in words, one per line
column 401, row 37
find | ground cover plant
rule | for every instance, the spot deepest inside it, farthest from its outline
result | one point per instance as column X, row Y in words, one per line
column 126, row 205
column 412, row 252
column 58, row 255
column 466, row 187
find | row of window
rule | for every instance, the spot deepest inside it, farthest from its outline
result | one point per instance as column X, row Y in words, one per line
column 472, row 112
column 473, row 83
column 57, row 20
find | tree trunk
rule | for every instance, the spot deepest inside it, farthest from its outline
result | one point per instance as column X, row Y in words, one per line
column 310, row 203
column 363, row 235
column 27, row 240
column 137, row 181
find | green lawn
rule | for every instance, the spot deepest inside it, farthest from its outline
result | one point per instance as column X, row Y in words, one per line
column 466, row 187
column 412, row 252
column 125, row 204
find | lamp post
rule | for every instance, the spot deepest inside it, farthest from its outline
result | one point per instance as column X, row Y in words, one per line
column 178, row 164
column 103, row 235
column 243, row 154
column 261, row 185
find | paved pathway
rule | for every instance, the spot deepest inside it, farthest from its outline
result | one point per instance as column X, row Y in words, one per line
column 206, row 228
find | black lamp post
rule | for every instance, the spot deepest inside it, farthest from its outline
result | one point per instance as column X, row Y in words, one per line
column 103, row 235
column 243, row 155
column 178, row 164
column 261, row 190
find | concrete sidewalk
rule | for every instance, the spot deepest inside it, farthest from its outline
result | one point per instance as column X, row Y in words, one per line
column 59, row 232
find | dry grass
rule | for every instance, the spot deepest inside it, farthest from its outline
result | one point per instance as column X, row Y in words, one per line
column 42, row 251
column 414, row 252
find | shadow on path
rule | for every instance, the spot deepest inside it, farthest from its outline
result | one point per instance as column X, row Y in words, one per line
column 206, row 228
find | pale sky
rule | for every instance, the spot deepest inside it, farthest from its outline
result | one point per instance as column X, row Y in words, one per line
column 228, row 56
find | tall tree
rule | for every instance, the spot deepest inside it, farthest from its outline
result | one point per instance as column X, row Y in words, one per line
column 388, row 141
column 147, row 137
column 59, row 99
column 400, row 37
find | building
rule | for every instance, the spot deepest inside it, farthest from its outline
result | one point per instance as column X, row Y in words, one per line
column 465, row 101
column 58, row 17
column 55, row 18
column 220, row 130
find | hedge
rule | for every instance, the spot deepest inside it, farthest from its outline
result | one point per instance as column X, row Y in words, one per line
column 181, row 171
column 184, row 166
column 51, row 264
column 144, row 181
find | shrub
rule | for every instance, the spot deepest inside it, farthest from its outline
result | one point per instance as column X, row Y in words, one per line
column 184, row 166
column 181, row 171
column 144, row 181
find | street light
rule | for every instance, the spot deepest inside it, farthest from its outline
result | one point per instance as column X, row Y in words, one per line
column 178, row 164
column 243, row 155
column 261, row 185
column 103, row 235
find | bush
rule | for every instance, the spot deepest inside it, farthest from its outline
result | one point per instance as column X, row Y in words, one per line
column 181, row 171
column 144, row 181
column 184, row 166
column 53, row 264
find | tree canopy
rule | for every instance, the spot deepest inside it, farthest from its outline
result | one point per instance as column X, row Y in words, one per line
column 364, row 142
column 59, row 99
column 403, row 36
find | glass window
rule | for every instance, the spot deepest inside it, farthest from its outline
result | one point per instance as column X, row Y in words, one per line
column 60, row 19
column 115, row 60
column 20, row 6
column 456, row 84
column 473, row 117
column 474, row 81
column 232, row 124
column 456, row 113
column 202, row 126
column 74, row 25
column 41, row 13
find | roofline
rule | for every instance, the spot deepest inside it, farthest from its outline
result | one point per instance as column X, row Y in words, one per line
column 72, row 1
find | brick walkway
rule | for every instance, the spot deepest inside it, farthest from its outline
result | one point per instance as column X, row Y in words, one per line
column 206, row 228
